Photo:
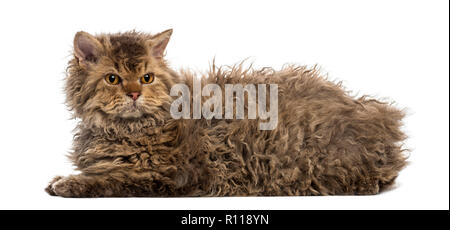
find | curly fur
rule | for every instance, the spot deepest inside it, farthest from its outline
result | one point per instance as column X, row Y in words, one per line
column 326, row 142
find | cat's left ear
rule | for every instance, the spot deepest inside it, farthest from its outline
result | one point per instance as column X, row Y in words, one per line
column 158, row 43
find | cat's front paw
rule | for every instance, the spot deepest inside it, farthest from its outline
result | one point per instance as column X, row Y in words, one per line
column 66, row 187
column 49, row 188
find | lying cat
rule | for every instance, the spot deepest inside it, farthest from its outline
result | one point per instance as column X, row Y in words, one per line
column 128, row 143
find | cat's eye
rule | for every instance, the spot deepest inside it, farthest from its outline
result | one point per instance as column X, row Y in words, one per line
column 112, row 79
column 148, row 78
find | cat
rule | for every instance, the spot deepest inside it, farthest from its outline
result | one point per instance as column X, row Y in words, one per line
column 127, row 144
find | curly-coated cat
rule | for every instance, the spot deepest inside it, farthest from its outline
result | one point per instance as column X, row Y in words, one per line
column 127, row 143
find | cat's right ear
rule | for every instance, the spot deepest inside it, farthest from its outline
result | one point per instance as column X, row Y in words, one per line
column 86, row 48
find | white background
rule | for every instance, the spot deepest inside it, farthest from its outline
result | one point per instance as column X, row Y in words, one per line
column 397, row 50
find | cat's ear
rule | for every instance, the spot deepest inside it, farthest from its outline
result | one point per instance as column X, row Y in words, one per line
column 158, row 43
column 86, row 47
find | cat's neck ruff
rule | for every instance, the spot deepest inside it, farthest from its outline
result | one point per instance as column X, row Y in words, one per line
column 118, row 128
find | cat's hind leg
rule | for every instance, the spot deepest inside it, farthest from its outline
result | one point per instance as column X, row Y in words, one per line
column 368, row 154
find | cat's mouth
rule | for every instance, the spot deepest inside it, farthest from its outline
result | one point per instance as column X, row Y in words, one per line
column 131, row 110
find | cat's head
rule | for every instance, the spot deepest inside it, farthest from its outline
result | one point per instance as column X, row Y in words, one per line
column 119, row 77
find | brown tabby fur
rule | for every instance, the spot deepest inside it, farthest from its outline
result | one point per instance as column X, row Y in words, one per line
column 326, row 142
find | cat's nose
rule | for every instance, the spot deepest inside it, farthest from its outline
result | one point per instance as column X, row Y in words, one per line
column 134, row 95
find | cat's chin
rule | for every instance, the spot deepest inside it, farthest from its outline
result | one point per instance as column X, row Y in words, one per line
column 133, row 114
